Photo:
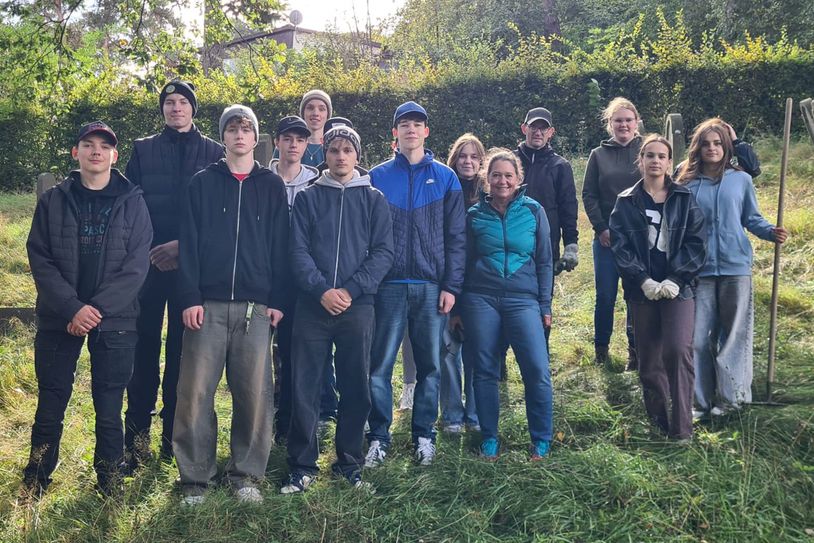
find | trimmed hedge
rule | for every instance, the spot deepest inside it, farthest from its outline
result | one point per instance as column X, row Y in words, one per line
column 750, row 95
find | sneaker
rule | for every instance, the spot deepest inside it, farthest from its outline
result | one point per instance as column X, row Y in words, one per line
column 453, row 428
column 473, row 427
column 249, row 494
column 193, row 495
column 375, row 454
column 719, row 411
column 407, row 395
column 539, row 450
column 490, row 449
column 424, row 451
column 356, row 482
column 699, row 415
column 297, row 482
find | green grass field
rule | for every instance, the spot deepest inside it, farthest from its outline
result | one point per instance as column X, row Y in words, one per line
column 609, row 477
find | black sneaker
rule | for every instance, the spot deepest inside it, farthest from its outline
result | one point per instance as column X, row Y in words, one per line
column 297, row 482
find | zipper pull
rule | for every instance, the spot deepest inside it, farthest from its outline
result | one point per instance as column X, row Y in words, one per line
column 249, row 309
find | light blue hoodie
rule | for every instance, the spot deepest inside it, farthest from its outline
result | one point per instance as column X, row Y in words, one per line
column 729, row 206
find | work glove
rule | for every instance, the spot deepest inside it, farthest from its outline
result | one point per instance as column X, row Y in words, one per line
column 668, row 289
column 652, row 289
column 569, row 260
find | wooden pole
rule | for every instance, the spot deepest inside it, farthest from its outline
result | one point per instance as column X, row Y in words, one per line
column 776, row 272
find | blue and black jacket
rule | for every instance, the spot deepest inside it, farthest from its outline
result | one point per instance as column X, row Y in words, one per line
column 426, row 203
column 509, row 255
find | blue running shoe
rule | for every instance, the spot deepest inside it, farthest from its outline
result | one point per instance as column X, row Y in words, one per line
column 539, row 450
column 489, row 449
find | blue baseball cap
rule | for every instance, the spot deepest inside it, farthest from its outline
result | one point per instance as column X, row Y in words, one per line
column 408, row 108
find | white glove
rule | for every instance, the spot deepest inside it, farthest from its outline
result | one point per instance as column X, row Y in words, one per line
column 668, row 289
column 651, row 289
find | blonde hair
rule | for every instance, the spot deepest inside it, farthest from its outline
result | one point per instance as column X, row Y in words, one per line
column 455, row 153
column 615, row 105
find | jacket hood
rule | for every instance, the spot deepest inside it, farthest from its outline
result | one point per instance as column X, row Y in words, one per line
column 120, row 185
column 611, row 143
column 307, row 174
column 357, row 181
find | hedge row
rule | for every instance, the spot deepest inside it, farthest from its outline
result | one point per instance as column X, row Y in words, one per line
column 749, row 95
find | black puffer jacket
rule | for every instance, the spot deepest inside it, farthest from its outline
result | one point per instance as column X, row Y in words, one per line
column 162, row 165
column 53, row 253
column 683, row 224
column 549, row 179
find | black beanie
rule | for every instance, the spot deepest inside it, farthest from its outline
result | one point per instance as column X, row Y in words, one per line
column 184, row 88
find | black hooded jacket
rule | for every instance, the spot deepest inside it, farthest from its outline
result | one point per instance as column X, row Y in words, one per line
column 162, row 165
column 53, row 253
column 549, row 179
column 234, row 238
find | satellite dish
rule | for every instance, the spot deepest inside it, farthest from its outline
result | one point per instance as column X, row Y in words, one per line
column 295, row 17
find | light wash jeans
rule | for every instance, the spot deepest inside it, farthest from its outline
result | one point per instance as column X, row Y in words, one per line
column 722, row 344
column 456, row 382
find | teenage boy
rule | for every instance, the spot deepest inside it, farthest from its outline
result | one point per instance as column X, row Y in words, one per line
column 426, row 203
column 162, row 166
column 88, row 251
column 549, row 179
column 341, row 249
column 315, row 109
column 290, row 140
column 234, row 268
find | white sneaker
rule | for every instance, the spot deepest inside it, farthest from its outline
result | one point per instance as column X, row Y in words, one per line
column 698, row 414
column 407, row 394
column 718, row 411
column 375, row 454
column 297, row 482
column 249, row 494
column 453, row 428
column 192, row 501
column 425, row 451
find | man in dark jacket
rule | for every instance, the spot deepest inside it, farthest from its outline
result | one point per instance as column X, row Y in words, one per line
column 88, row 250
column 341, row 249
column 549, row 179
column 233, row 286
column 429, row 242
column 162, row 165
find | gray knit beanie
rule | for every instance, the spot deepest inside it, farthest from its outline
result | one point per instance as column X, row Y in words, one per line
column 319, row 95
column 238, row 110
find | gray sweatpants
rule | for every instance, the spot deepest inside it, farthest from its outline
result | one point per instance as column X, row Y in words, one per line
column 223, row 340
column 724, row 322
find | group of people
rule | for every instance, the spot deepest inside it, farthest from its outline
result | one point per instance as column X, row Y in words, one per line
column 346, row 264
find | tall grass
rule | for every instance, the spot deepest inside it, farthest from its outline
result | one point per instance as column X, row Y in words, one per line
column 609, row 477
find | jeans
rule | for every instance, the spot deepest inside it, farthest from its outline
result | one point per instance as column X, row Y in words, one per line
column 315, row 333
column 456, row 379
column 142, row 392
column 664, row 331
column 398, row 306
column 606, row 279
column 724, row 321
column 488, row 319
column 111, row 365
column 224, row 340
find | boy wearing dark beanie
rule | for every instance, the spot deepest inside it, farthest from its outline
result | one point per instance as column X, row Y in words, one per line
column 341, row 249
column 162, row 166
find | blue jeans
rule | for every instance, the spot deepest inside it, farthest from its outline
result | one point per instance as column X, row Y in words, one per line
column 606, row 279
column 487, row 319
column 396, row 306
column 456, row 378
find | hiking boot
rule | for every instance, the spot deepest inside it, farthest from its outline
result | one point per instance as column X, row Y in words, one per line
column 297, row 482
column 249, row 494
column 601, row 355
column 424, row 451
column 375, row 454
column 407, row 395
column 490, row 449
column 539, row 450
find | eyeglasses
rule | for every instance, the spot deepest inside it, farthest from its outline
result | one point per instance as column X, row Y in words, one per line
column 540, row 129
